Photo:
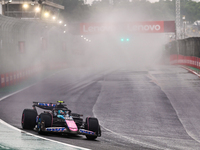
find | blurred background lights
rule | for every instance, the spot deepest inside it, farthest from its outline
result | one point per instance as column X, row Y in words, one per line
column 37, row 9
column 46, row 14
column 25, row 6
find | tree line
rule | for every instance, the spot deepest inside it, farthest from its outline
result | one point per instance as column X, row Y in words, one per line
column 125, row 10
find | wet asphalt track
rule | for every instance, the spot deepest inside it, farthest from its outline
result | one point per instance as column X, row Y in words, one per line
column 151, row 108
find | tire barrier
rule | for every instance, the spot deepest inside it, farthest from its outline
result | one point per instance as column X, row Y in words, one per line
column 185, row 52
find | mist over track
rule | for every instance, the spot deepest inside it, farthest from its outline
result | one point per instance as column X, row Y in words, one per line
column 147, row 108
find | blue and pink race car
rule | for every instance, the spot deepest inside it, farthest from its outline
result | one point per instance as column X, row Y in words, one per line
column 57, row 118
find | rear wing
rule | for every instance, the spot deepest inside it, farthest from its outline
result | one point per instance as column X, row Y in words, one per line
column 44, row 105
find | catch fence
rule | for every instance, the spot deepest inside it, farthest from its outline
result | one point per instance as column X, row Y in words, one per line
column 28, row 47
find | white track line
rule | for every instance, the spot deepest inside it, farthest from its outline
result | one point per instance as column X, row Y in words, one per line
column 69, row 145
column 27, row 87
column 132, row 140
column 16, row 92
column 194, row 72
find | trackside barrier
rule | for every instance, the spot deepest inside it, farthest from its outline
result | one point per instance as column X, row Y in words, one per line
column 2, row 80
column 17, row 76
column 185, row 60
column 184, row 52
column 9, row 79
column 173, row 60
column 14, row 78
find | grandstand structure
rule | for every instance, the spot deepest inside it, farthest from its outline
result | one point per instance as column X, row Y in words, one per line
column 32, row 9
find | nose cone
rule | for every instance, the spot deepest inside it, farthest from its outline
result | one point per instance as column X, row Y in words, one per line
column 72, row 125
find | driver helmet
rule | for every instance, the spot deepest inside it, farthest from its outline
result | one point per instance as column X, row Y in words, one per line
column 60, row 112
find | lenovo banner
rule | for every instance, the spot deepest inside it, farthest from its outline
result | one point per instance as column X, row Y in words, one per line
column 128, row 27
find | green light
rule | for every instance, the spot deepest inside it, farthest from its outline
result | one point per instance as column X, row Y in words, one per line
column 127, row 40
column 122, row 40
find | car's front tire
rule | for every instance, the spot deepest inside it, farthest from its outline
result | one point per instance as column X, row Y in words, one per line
column 92, row 124
column 44, row 121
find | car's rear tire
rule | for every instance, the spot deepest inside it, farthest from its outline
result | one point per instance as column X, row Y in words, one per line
column 92, row 124
column 44, row 121
column 29, row 118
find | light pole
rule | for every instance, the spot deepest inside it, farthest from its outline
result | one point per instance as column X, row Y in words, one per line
column 183, row 26
column 40, row 2
column 178, row 19
column 24, row 7
column 37, row 10
column 7, row 7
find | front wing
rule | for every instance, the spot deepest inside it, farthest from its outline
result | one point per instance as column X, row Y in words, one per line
column 65, row 130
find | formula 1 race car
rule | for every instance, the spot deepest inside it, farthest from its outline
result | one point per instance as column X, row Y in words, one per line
column 59, row 119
